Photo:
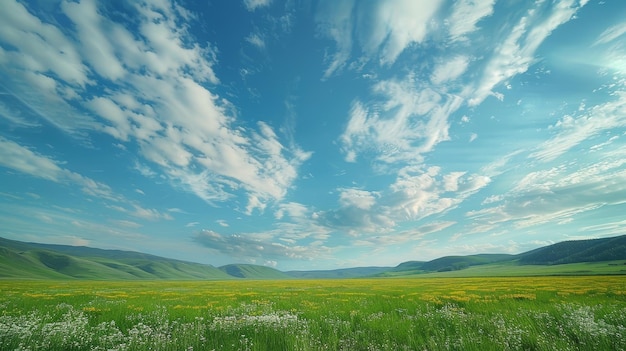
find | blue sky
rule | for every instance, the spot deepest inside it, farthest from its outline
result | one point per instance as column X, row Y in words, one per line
column 312, row 134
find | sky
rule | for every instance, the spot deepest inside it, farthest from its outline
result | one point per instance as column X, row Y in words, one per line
column 312, row 134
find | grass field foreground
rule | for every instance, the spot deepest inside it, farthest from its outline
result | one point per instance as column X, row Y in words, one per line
column 533, row 313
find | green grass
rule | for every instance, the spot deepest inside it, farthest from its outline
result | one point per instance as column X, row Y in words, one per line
column 530, row 313
column 512, row 269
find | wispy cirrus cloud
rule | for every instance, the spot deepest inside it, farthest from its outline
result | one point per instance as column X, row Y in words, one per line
column 611, row 34
column 381, row 30
column 557, row 194
column 255, row 39
column 516, row 53
column 571, row 131
column 465, row 16
column 17, row 157
column 250, row 248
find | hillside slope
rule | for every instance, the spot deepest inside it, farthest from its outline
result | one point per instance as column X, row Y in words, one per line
column 251, row 271
column 592, row 250
column 43, row 261
column 21, row 260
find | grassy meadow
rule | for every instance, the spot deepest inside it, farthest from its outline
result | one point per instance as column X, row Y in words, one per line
column 514, row 313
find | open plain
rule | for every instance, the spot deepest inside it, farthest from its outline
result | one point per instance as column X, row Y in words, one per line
column 509, row 313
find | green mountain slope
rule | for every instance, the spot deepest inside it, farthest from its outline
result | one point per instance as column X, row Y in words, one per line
column 512, row 269
column 42, row 261
column 452, row 263
column 21, row 260
column 594, row 250
column 251, row 271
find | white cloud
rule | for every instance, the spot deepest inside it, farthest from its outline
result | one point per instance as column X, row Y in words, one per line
column 572, row 131
column 164, row 102
column 557, row 194
column 248, row 247
column 256, row 40
column 465, row 15
column 42, row 46
column 96, row 47
column 293, row 210
column 417, row 193
column 22, row 159
column 406, row 236
column 19, row 158
column 449, row 70
column 358, row 198
column 335, row 21
column 611, row 34
column 406, row 123
column 516, row 53
column 149, row 213
column 254, row 203
column 451, row 181
column 16, row 117
column 383, row 29
column 252, row 5
column 397, row 25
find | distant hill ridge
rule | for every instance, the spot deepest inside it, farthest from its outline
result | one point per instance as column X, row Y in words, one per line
column 593, row 250
column 22, row 260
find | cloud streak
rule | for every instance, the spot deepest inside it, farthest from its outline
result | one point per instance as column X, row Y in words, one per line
column 247, row 247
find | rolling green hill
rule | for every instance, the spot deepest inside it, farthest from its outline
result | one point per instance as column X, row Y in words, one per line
column 451, row 263
column 21, row 260
column 568, row 257
column 594, row 250
column 251, row 271
column 42, row 261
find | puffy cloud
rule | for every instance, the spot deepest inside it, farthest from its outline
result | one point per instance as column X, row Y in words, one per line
column 42, row 46
column 405, row 123
column 164, row 102
column 358, row 198
column 96, row 48
column 417, row 193
column 293, row 210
